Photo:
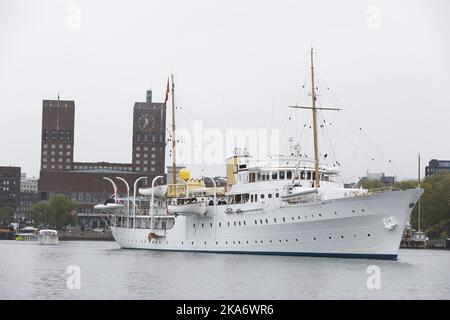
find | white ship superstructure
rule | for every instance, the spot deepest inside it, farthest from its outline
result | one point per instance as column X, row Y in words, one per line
column 287, row 205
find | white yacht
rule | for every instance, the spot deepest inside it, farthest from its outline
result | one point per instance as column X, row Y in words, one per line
column 288, row 205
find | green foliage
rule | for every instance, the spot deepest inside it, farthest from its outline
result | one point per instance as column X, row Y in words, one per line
column 6, row 215
column 372, row 184
column 57, row 213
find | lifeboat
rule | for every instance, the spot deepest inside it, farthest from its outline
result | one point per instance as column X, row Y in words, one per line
column 109, row 206
column 158, row 191
column 188, row 209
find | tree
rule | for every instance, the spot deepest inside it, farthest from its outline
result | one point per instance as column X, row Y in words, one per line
column 6, row 215
column 372, row 184
column 56, row 213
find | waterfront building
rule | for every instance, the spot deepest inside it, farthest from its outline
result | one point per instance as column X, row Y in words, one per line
column 10, row 187
column 437, row 165
column 83, row 181
column 28, row 193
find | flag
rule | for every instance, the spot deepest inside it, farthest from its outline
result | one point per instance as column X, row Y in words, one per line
column 111, row 199
column 167, row 93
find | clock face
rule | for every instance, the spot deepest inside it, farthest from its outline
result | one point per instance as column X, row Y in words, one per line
column 146, row 122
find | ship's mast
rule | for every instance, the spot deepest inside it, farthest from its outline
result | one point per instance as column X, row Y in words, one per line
column 174, row 163
column 314, row 110
column 418, row 205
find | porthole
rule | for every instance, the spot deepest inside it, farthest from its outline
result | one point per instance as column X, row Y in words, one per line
column 354, row 236
column 270, row 241
column 262, row 241
column 368, row 235
column 320, row 214
column 314, row 238
column 210, row 224
column 205, row 242
column 353, row 211
column 256, row 241
column 284, row 219
column 234, row 242
column 292, row 218
column 192, row 242
column 239, row 242
column 247, row 241
column 245, row 223
column 287, row 240
column 267, row 221
column 202, row 225
column 228, row 223
column 342, row 237
column 194, row 225
column 298, row 217
column 335, row 213
column 239, row 223
column 226, row 242
column 363, row 210
column 182, row 242
column 312, row 216
column 235, row 223
column 279, row 240
column 329, row 238
column 220, row 224
column 217, row 242
column 256, row 222
column 296, row 240
column 275, row 220
column 260, row 220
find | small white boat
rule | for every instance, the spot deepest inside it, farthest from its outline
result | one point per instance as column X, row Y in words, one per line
column 158, row 191
column 188, row 209
column 47, row 236
column 109, row 206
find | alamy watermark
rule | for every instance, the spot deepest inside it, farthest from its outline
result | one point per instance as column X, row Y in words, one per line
column 374, row 279
column 73, row 281
column 211, row 146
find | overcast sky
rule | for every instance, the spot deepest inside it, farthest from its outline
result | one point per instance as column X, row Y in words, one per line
column 237, row 64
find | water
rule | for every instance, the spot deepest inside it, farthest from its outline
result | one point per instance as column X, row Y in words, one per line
column 31, row 271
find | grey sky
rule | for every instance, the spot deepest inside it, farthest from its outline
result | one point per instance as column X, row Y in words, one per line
column 237, row 64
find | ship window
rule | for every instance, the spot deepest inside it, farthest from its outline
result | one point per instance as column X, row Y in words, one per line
column 270, row 196
column 244, row 223
column 258, row 177
column 296, row 240
column 302, row 175
column 314, row 238
column 275, row 220
column 267, row 221
column 194, row 225
column 251, row 198
column 262, row 196
column 368, row 235
column 256, row 197
column 277, row 195
column 202, row 225
column 210, row 224
column 308, row 175
column 342, row 237
column 274, row 175
column 220, row 224
column 260, row 220
column 284, row 219
column 282, row 175
column 228, row 223
column 239, row 223
column 329, row 237
column 235, row 223
column 256, row 222
column 289, row 175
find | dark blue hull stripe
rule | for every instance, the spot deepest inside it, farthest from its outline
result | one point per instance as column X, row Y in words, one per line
column 303, row 254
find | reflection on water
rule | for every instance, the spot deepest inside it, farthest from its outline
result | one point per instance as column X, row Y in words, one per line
column 31, row 271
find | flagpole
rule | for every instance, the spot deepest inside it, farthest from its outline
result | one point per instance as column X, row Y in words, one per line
column 174, row 165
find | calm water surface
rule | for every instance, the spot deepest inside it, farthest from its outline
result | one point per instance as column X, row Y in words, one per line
column 31, row 271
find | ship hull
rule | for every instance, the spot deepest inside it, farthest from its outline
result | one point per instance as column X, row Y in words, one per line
column 369, row 226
